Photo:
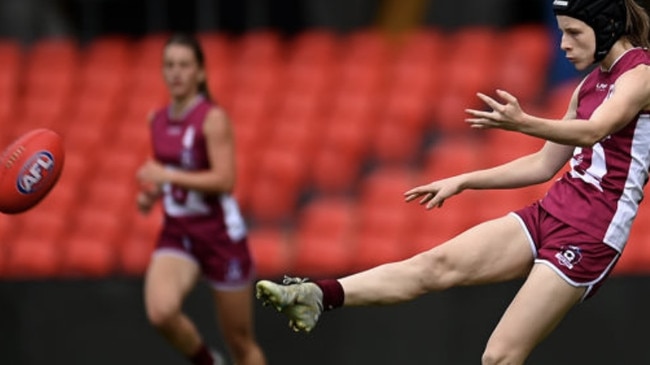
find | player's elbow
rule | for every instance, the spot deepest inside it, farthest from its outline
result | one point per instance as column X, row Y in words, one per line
column 591, row 137
column 224, row 184
column 587, row 141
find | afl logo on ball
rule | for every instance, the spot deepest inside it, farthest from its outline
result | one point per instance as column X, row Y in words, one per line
column 34, row 172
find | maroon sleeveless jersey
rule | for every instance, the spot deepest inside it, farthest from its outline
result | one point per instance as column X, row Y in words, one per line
column 601, row 193
column 180, row 144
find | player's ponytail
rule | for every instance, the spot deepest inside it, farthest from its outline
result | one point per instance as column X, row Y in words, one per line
column 637, row 28
column 194, row 44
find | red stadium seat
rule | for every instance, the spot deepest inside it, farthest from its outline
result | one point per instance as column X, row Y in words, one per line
column 312, row 65
column 88, row 256
column 271, row 251
column 32, row 257
column 96, row 223
column 119, row 165
column 148, row 49
column 132, row 136
column 41, row 112
column 385, row 187
column 365, row 62
column 252, row 108
column 258, row 47
column 134, row 257
column 433, row 227
column 323, row 241
column 416, row 70
column 75, row 169
column 57, row 54
column 90, row 247
column 472, row 74
column 4, row 229
column 145, row 85
column 411, row 107
column 11, row 59
column 11, row 52
column 305, row 105
column 423, row 44
column 334, row 171
column 558, row 98
column 367, row 46
column 138, row 243
column 51, row 68
column 105, row 67
column 109, row 52
column 296, row 135
column 452, row 155
column 52, row 224
column 111, row 195
column 394, row 142
column 351, row 135
column 315, row 46
column 384, row 218
column 278, row 180
column 218, row 51
column 504, row 146
column 448, row 115
column 33, row 245
column 219, row 59
column 525, row 61
column 265, row 78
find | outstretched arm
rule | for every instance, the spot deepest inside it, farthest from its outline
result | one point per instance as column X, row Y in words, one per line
column 525, row 171
column 630, row 95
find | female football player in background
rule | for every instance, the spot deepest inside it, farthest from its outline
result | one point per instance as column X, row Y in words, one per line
column 564, row 245
column 203, row 232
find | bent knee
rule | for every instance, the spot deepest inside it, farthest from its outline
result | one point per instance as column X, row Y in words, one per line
column 240, row 341
column 502, row 355
column 161, row 312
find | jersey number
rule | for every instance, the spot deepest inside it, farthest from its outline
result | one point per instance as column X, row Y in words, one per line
column 595, row 172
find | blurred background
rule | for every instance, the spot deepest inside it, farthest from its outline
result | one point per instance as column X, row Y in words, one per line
column 338, row 107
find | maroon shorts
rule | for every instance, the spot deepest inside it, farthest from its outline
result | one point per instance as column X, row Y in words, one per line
column 577, row 257
column 224, row 262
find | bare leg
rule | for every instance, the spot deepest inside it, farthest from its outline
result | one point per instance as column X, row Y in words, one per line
column 493, row 251
column 167, row 283
column 235, row 314
column 541, row 303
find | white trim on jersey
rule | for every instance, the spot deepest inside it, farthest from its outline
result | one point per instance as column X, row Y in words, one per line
column 234, row 221
column 194, row 203
column 618, row 231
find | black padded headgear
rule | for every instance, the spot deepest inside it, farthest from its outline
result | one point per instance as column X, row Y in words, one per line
column 606, row 17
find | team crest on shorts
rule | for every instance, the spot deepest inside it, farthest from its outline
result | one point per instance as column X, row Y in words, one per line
column 234, row 272
column 569, row 256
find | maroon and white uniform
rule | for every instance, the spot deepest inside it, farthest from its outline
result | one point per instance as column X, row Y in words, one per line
column 206, row 228
column 600, row 195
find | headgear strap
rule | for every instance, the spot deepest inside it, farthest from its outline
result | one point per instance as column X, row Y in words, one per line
column 606, row 17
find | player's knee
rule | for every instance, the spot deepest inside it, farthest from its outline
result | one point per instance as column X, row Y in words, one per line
column 240, row 342
column 501, row 355
column 161, row 313
column 437, row 269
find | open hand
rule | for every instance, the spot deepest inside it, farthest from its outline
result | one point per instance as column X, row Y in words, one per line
column 435, row 193
column 508, row 115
